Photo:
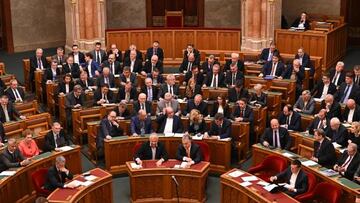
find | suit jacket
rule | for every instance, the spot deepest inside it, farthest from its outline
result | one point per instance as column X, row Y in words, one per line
column 164, row 89
column 221, row 79
column 2, row 133
column 102, row 54
column 185, row 63
column 8, row 160
column 73, row 69
column 317, row 91
column 148, row 107
column 240, row 65
column 111, row 81
column 340, row 136
column 248, row 115
column 162, row 104
column 126, row 114
column 135, row 125
column 71, row 100
column 301, row 183
column 285, row 140
column 265, row 54
column 352, row 167
column 306, row 62
column 34, row 65
column 259, row 99
column 354, row 94
column 159, row 53
column 138, row 55
column 234, row 96
column 56, row 179
column 98, row 95
column 308, row 109
column 341, row 77
column 107, row 129
column 195, row 153
column 12, row 112
column 238, row 76
column 117, row 67
column 121, row 94
column 199, row 78
column 205, row 66
column 11, row 94
column 48, row 75
column 224, row 131
column 268, row 66
column 356, row 115
column 81, row 58
column 300, row 75
column 335, row 110
column 297, row 22
column 160, row 79
column 216, row 108
column 83, row 84
column 94, row 67
column 295, row 122
column 177, row 124
column 50, row 140
column 118, row 56
column 325, row 153
column 137, row 65
column 202, row 107
column 196, row 55
column 148, row 67
column 62, row 87
column 133, row 79
column 155, row 92
column 315, row 123
column 202, row 128
column 145, row 152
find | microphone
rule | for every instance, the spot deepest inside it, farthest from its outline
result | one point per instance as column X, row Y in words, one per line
column 174, row 179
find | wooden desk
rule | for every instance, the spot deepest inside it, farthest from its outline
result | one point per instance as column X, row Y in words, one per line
column 39, row 91
column 19, row 188
column 99, row 191
column 232, row 191
column 28, row 108
column 350, row 189
column 154, row 184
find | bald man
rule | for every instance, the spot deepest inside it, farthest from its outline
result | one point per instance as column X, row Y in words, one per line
column 320, row 122
column 337, row 132
column 234, row 61
column 352, row 111
column 11, row 157
column 349, row 161
column 37, row 62
column 155, row 50
column 276, row 136
column 151, row 64
column 140, row 124
column 151, row 150
column 142, row 104
column 169, row 122
column 56, row 138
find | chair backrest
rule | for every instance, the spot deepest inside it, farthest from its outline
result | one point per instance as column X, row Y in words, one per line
column 327, row 192
column 38, row 178
column 275, row 163
column 311, row 182
column 136, row 148
column 205, row 150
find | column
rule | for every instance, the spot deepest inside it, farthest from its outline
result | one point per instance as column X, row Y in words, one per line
column 259, row 20
column 85, row 23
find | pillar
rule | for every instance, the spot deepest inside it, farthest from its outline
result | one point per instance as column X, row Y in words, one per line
column 259, row 19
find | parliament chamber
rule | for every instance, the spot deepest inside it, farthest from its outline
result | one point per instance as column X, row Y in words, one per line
column 179, row 101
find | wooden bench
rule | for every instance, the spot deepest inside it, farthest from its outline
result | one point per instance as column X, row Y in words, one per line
column 51, row 95
column 26, row 69
column 39, row 91
column 27, row 108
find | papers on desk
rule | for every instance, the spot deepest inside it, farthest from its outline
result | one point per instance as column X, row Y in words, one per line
column 169, row 134
column 180, row 100
column 198, row 137
column 7, row 173
column 90, row 177
column 270, row 187
column 65, row 148
column 309, row 163
column 135, row 166
column 336, row 145
column 346, row 125
column 287, row 154
column 245, row 184
column 77, row 183
column 178, row 134
column 249, row 178
column 263, row 183
column 236, row 174
column 329, row 172
column 86, row 183
column 318, row 99
column 225, row 139
column 107, row 105
column 113, row 89
column 182, row 165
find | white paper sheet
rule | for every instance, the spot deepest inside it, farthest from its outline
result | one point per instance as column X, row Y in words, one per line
column 7, row 173
column 309, row 163
column 286, row 154
column 263, row 183
column 236, row 174
column 65, row 148
column 249, row 178
column 270, row 187
column 90, row 177
column 245, row 184
column 135, row 166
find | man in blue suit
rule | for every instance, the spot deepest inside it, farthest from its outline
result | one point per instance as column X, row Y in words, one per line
column 273, row 68
column 140, row 124
column 91, row 66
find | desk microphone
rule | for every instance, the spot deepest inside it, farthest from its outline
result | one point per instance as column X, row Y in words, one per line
column 174, row 179
column 176, row 187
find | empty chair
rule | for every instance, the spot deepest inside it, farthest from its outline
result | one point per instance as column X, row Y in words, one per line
column 38, row 178
column 271, row 166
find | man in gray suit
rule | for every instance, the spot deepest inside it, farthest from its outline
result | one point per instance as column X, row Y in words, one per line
column 168, row 101
column 98, row 54
column 305, row 104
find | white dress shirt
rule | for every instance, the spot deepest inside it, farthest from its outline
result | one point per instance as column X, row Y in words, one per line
column 350, row 116
column 169, row 125
column 325, row 91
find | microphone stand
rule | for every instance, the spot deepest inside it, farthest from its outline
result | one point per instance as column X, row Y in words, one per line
column 176, row 187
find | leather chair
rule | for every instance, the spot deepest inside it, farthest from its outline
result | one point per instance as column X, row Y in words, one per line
column 271, row 166
column 38, row 178
column 205, row 150
column 325, row 192
column 311, row 187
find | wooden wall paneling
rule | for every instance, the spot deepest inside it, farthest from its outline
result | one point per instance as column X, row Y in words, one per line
column 206, row 39
column 165, row 37
column 141, row 39
column 182, row 38
column 229, row 40
column 121, row 39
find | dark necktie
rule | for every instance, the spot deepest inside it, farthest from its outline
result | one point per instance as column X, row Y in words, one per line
column 241, row 113
column 171, row 90
column 335, row 76
column 318, row 150
column 98, row 57
column 39, row 64
column 58, row 141
column 345, row 93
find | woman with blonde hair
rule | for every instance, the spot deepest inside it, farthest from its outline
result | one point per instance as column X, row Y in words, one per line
column 355, row 133
column 28, row 146
column 258, row 97
column 192, row 89
column 197, row 122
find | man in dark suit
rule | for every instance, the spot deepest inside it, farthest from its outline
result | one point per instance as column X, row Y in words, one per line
column 117, row 53
column 191, row 50
column 91, row 67
column 243, row 112
column 71, row 67
column 11, row 157
column 106, row 78
column 304, row 59
column 296, row 72
column 273, row 68
column 103, row 96
column 142, row 104
column 337, row 132
column 333, row 108
column 295, row 178
column 150, row 90
column 357, row 75
column 51, row 74
column 352, row 111
column 128, row 76
column 8, row 111
column 206, row 67
column 188, row 63
column 150, row 65
column 37, row 62
column 290, row 119
column 113, row 65
column 234, row 61
column 85, row 83
column 347, row 90
column 157, row 78
column 169, row 122
column 56, row 138
column 74, row 99
column 3, row 139
column 79, row 57
column 337, row 75
column 233, row 76
column 215, row 79
column 320, row 122
column 348, row 162
column 134, row 63
column 57, row 175
column 276, row 136
column 98, row 54
column 197, row 103
column 14, row 92
column 152, row 150
column 108, row 128
column 138, row 53
column 194, row 73
column 140, row 124
column 59, row 56
column 267, row 53
column 302, row 22
column 238, row 92
column 324, row 151
column 220, row 128
column 155, row 50
column 323, row 88
column 170, row 86
column 189, row 152
column 127, row 93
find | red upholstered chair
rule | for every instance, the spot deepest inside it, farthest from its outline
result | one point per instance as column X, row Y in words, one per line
column 136, row 148
column 205, row 150
column 174, row 18
column 311, row 186
column 38, row 178
column 325, row 192
column 271, row 166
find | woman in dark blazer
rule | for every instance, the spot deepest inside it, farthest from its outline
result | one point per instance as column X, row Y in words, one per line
column 197, row 123
column 221, row 106
column 67, row 81
column 258, row 97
